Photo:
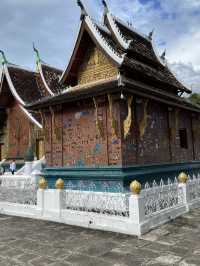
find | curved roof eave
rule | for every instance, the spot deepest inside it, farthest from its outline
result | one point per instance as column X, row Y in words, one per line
column 95, row 34
column 11, row 86
column 66, row 70
column 145, row 37
column 43, row 78
column 187, row 89
column 29, row 115
column 1, row 79
column 125, row 44
column 5, row 74
column 101, row 41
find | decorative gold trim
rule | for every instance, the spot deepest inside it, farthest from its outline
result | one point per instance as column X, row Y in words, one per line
column 60, row 184
column 143, row 122
column 113, row 120
column 42, row 183
column 99, row 124
column 183, row 178
column 128, row 120
column 135, row 187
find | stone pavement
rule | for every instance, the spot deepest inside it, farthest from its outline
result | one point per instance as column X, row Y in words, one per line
column 32, row 242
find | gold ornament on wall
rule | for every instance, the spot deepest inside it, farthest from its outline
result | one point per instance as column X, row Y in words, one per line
column 128, row 120
column 143, row 122
column 99, row 124
column 113, row 120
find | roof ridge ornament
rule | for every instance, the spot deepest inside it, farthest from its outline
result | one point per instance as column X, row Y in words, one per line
column 38, row 59
column 3, row 60
column 83, row 10
column 163, row 55
column 150, row 36
column 106, row 10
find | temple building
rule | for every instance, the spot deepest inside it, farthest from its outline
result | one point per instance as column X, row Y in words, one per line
column 115, row 112
column 21, row 129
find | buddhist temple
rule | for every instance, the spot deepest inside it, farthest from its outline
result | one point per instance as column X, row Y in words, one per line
column 116, row 112
column 21, row 129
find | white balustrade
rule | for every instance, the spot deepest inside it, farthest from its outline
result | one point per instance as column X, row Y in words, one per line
column 130, row 213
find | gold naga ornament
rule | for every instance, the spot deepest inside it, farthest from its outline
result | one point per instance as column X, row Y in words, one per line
column 99, row 124
column 128, row 120
column 113, row 120
column 143, row 122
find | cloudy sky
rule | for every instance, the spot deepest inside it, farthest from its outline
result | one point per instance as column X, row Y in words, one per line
column 53, row 26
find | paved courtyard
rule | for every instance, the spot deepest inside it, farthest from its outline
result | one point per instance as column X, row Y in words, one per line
column 33, row 242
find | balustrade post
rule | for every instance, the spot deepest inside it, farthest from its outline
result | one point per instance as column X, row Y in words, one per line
column 42, row 184
column 136, row 205
column 183, row 190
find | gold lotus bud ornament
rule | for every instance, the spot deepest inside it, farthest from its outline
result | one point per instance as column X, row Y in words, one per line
column 135, row 187
column 183, row 178
column 60, row 184
column 42, row 183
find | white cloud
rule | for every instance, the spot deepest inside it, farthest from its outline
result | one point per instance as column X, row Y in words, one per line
column 53, row 26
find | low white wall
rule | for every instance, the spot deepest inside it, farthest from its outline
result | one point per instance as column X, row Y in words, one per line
column 70, row 207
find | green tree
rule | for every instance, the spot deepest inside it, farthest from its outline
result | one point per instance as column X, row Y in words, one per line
column 195, row 98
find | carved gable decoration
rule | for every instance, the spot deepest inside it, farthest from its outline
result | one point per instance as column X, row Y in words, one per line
column 95, row 66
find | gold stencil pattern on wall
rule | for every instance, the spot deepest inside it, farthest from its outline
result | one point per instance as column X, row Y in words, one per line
column 95, row 67
column 99, row 123
column 113, row 120
column 128, row 120
column 144, row 121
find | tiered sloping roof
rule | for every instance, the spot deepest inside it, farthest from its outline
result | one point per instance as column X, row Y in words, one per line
column 131, row 51
column 141, row 70
column 23, row 87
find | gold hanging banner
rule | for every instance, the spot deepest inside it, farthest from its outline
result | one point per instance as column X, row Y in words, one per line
column 99, row 124
column 143, row 122
column 113, row 120
column 128, row 120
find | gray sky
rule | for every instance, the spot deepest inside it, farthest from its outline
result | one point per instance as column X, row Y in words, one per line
column 53, row 26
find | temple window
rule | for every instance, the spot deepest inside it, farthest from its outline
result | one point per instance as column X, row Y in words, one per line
column 183, row 138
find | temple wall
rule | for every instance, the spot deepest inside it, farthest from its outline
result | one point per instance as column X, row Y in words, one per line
column 183, row 122
column 82, row 143
column 48, row 138
column 160, row 141
column 18, row 131
column 154, row 136
column 147, row 142
column 57, row 136
column 196, row 133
